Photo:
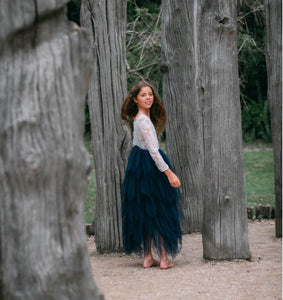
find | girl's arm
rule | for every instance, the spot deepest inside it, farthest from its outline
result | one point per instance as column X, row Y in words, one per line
column 150, row 142
column 148, row 135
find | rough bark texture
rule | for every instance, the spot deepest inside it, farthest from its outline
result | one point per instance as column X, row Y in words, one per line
column 225, row 230
column 106, row 22
column 43, row 163
column 180, row 67
column 273, row 12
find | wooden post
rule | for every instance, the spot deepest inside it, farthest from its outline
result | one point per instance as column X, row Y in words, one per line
column 111, row 142
column 273, row 16
column 43, row 162
column 180, row 67
column 225, row 228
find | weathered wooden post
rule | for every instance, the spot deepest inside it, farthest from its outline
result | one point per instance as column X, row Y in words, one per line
column 111, row 142
column 273, row 17
column 225, row 228
column 44, row 75
column 180, row 67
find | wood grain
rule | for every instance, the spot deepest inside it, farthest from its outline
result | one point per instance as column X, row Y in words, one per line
column 225, row 229
column 180, row 67
column 201, row 94
column 273, row 16
column 44, row 165
column 111, row 142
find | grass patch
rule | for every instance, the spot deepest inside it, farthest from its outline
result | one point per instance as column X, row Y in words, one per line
column 259, row 169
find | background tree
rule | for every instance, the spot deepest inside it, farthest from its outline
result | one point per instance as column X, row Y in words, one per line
column 143, row 41
column 225, row 228
column 273, row 12
column 43, row 161
column 106, row 23
column 252, row 71
column 181, row 98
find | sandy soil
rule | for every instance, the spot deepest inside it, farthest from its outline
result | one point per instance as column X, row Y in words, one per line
column 122, row 277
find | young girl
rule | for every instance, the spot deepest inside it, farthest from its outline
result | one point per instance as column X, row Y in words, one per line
column 150, row 190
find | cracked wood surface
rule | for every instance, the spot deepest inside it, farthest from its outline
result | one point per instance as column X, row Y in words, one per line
column 201, row 94
column 43, row 162
column 273, row 15
column 105, row 22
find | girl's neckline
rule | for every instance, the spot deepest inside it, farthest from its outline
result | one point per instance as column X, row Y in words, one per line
column 140, row 115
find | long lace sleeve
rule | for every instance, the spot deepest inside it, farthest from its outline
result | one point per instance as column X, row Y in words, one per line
column 151, row 144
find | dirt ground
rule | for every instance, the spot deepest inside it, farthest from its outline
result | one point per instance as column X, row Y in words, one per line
column 122, row 277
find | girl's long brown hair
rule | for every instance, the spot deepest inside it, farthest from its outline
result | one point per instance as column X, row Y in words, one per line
column 157, row 111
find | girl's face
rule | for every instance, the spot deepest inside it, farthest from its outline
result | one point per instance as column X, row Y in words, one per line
column 144, row 98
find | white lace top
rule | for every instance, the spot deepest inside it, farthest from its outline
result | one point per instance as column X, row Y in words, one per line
column 145, row 137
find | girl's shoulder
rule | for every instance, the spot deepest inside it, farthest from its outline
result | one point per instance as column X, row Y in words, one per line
column 141, row 118
column 143, row 123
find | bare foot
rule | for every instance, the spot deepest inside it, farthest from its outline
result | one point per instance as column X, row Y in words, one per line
column 150, row 263
column 166, row 265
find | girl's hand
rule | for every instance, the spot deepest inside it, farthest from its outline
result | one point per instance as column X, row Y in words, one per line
column 172, row 178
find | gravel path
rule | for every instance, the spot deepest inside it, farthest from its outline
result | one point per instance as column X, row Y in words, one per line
column 122, row 277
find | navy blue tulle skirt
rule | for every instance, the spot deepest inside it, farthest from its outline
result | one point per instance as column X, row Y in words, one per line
column 150, row 207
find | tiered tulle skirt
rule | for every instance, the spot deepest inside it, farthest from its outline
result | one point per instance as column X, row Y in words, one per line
column 150, row 209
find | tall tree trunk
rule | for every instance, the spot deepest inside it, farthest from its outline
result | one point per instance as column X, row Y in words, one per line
column 43, row 163
column 273, row 13
column 225, row 228
column 180, row 67
column 106, row 22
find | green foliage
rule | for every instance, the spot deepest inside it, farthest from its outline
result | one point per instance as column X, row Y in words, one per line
column 144, row 42
column 256, row 121
column 73, row 12
column 259, row 171
column 252, row 71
